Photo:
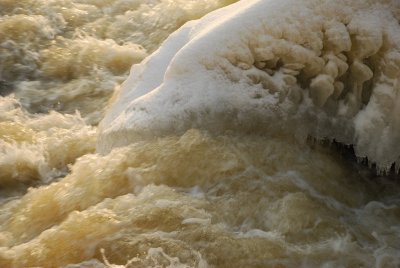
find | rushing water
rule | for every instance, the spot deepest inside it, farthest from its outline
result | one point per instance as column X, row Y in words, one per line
column 191, row 200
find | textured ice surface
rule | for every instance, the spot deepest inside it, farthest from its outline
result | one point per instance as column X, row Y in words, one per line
column 326, row 69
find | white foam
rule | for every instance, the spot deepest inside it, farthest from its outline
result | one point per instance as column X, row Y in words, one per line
column 326, row 69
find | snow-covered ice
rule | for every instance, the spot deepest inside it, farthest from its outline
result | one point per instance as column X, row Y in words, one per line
column 326, row 69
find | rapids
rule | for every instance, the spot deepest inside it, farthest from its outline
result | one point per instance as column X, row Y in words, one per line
column 201, row 193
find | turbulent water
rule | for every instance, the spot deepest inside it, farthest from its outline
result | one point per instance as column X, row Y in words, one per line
column 190, row 198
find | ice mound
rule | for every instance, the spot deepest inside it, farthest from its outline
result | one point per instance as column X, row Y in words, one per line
column 326, row 69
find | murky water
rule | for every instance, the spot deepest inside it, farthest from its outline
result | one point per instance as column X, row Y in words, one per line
column 191, row 200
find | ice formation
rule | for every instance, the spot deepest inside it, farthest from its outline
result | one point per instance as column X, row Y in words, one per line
column 326, row 69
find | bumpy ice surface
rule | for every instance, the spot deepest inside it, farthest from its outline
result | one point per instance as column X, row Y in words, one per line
column 326, row 69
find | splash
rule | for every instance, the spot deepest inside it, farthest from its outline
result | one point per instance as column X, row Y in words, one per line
column 38, row 149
